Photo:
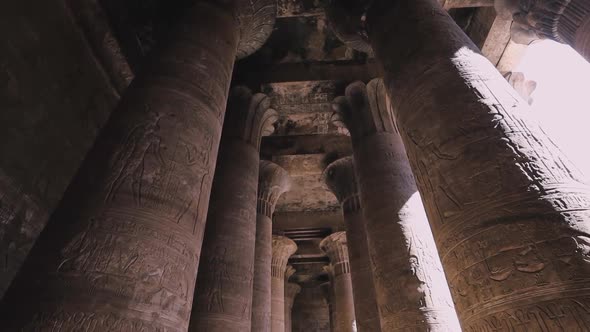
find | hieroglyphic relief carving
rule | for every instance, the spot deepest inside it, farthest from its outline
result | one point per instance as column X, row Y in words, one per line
column 503, row 200
column 126, row 238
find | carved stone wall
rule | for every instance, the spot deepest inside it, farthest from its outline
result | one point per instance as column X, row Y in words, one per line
column 310, row 311
column 54, row 98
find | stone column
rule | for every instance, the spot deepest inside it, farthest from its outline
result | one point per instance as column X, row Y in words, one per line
column 122, row 250
column 291, row 290
column 336, row 248
column 565, row 21
column 282, row 249
column 273, row 181
column 340, row 178
column 411, row 288
column 508, row 210
column 223, row 295
column 328, row 293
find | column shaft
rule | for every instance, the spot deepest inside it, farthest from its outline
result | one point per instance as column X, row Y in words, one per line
column 509, row 212
column 283, row 248
column 363, row 287
column 122, row 250
column 291, row 291
column 223, row 295
column 273, row 181
column 261, row 303
column 340, row 178
column 328, row 293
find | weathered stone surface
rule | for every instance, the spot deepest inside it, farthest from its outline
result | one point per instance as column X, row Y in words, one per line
column 340, row 178
column 291, row 291
column 223, row 295
column 122, row 250
column 411, row 288
column 328, row 293
column 565, row 21
column 273, row 181
column 508, row 210
column 54, row 98
column 310, row 312
column 336, row 247
column 282, row 249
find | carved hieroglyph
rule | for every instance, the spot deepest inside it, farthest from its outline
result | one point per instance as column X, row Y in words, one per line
column 339, row 177
column 335, row 246
column 282, row 249
column 122, row 250
column 508, row 211
column 565, row 21
column 291, row 290
column 412, row 291
column 223, row 295
column 273, row 181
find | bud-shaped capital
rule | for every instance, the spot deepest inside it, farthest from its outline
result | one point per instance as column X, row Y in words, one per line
column 364, row 110
column 339, row 177
column 336, row 247
column 273, row 181
column 249, row 116
column 282, row 249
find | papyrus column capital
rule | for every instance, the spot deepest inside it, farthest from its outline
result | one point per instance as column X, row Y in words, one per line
column 340, row 179
column 336, row 247
column 282, row 249
column 273, row 181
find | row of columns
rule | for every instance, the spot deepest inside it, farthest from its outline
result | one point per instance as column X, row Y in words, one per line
column 507, row 211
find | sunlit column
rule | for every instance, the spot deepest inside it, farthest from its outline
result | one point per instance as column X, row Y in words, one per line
column 565, row 21
column 340, row 178
column 508, row 210
column 223, row 294
column 411, row 288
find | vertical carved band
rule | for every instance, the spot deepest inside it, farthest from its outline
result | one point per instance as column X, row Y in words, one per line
column 282, row 249
column 339, row 177
column 273, row 181
column 336, row 247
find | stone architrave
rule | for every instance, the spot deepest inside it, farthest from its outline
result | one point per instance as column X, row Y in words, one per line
column 335, row 246
column 410, row 285
column 509, row 211
column 282, row 249
column 273, row 181
column 565, row 21
column 223, row 295
column 291, row 290
column 121, row 252
column 328, row 293
column 339, row 177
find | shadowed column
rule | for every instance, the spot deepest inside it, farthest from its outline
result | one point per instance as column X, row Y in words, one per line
column 509, row 212
column 273, row 181
column 340, row 178
column 223, row 295
column 121, row 251
column 336, row 248
column 328, row 293
column 282, row 249
column 565, row 21
column 411, row 288
column 291, row 290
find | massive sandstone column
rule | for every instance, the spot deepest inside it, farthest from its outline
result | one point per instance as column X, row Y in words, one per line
column 122, row 250
column 291, row 290
column 223, row 294
column 336, row 248
column 412, row 291
column 282, row 249
column 273, row 181
column 508, row 211
column 565, row 21
column 340, row 178
column 328, row 293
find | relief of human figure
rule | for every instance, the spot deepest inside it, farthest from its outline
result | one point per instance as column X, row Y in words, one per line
column 130, row 160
